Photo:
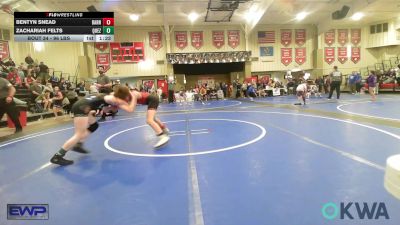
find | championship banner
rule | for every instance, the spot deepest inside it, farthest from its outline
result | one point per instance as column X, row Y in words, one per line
column 343, row 36
column 233, row 38
column 101, row 46
column 286, row 37
column 300, row 37
column 218, row 38
column 330, row 37
column 300, row 55
column 155, row 40
column 196, row 39
column 329, row 55
column 4, row 50
column 286, row 56
column 355, row 36
column 355, row 54
column 342, row 54
column 181, row 39
column 103, row 59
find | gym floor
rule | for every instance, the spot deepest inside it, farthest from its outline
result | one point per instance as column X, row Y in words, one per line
column 229, row 162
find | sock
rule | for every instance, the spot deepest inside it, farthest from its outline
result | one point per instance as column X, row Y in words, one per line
column 79, row 144
column 61, row 152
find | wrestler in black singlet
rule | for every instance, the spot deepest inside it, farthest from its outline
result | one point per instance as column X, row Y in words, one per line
column 83, row 106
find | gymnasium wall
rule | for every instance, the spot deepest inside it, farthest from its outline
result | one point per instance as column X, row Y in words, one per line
column 64, row 56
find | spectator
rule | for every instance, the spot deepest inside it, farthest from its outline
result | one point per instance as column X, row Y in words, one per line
column 13, row 77
column 171, row 86
column 54, row 80
column 224, row 89
column 159, row 93
column 29, row 60
column 43, row 72
column 93, row 89
column 81, row 86
column 28, row 81
column 371, row 81
column 57, row 101
column 103, row 82
column 36, row 90
column 319, row 82
column 63, row 85
column 72, row 97
column 358, row 79
column 336, row 81
column 10, row 63
column 352, row 83
column 251, row 92
column 327, row 84
column 203, row 93
column 44, row 99
column 48, row 87
column 21, row 73
column 7, row 104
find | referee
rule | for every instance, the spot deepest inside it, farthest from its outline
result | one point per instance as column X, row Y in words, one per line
column 7, row 105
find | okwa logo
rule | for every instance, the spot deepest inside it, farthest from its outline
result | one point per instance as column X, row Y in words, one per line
column 355, row 210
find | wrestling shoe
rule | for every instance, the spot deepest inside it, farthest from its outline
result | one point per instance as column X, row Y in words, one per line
column 58, row 159
column 163, row 139
column 79, row 148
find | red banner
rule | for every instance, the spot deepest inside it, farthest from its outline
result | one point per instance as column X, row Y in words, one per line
column 155, row 40
column 101, row 46
column 196, row 39
column 300, row 37
column 300, row 55
column 218, row 38
column 286, row 56
column 127, row 52
column 181, row 39
column 329, row 55
column 4, row 50
column 286, row 37
column 343, row 36
column 355, row 36
column 233, row 38
column 342, row 54
column 330, row 37
column 355, row 54
column 103, row 59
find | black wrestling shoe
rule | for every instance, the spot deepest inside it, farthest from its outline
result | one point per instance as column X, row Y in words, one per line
column 58, row 159
column 79, row 148
column 102, row 119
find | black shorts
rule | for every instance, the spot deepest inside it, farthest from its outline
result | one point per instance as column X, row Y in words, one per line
column 152, row 102
column 81, row 108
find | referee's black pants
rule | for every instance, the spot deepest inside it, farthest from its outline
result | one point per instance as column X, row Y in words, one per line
column 12, row 111
column 335, row 85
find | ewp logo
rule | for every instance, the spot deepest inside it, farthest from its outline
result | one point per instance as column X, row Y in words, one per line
column 27, row 211
column 364, row 211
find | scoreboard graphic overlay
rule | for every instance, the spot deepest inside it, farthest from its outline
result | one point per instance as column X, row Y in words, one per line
column 64, row 26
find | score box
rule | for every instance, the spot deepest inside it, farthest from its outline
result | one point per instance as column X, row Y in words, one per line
column 108, row 30
column 108, row 21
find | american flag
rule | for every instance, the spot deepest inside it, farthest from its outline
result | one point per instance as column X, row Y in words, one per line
column 266, row 37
